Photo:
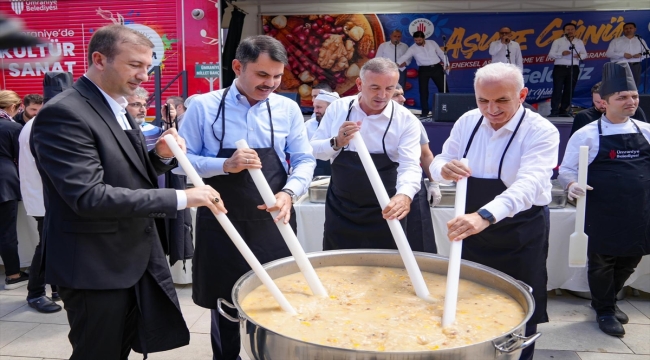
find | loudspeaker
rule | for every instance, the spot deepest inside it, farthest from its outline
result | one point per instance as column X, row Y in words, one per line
column 644, row 103
column 449, row 107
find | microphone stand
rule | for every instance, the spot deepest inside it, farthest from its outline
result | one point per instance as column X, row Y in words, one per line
column 508, row 51
column 645, row 55
column 444, row 63
column 573, row 50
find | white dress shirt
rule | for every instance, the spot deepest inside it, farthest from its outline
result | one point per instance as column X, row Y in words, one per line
column 563, row 44
column 311, row 125
column 119, row 110
column 621, row 45
column 588, row 136
column 527, row 166
column 402, row 140
column 498, row 50
column 387, row 50
column 425, row 55
column 31, row 186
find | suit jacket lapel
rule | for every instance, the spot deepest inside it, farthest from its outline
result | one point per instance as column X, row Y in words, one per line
column 153, row 177
column 96, row 100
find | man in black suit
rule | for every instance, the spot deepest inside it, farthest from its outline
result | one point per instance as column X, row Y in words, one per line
column 595, row 112
column 101, row 241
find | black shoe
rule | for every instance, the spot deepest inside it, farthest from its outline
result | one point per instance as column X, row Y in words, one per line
column 11, row 284
column 566, row 115
column 44, row 305
column 621, row 316
column 553, row 114
column 55, row 296
column 610, row 325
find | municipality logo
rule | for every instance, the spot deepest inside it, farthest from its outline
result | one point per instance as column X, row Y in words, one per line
column 422, row 24
column 18, row 6
column 42, row 5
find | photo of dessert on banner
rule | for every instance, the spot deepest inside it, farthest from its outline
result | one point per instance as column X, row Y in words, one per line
column 324, row 48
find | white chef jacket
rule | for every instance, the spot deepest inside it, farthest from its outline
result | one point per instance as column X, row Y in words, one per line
column 387, row 50
column 588, row 136
column 402, row 140
column 499, row 51
column 425, row 55
column 311, row 125
column 527, row 167
column 621, row 45
column 563, row 44
column 31, row 185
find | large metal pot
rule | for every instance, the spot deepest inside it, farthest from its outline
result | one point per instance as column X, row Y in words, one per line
column 263, row 344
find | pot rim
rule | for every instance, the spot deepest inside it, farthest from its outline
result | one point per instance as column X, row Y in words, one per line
column 517, row 283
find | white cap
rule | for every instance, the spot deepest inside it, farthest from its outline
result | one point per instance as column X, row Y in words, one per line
column 328, row 97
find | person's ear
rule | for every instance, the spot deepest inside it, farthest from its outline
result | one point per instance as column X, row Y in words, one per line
column 237, row 67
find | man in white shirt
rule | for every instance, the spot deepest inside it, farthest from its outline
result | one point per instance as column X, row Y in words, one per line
column 628, row 48
column 505, row 50
column 393, row 50
column 617, row 216
column 321, row 103
column 567, row 52
column 353, row 216
column 432, row 64
column 511, row 153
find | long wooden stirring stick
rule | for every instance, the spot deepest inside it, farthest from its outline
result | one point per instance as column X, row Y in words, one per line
column 241, row 245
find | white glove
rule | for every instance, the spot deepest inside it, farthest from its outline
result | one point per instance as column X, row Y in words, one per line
column 433, row 194
column 575, row 191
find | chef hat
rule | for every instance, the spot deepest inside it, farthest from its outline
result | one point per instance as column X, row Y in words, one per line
column 328, row 97
column 617, row 77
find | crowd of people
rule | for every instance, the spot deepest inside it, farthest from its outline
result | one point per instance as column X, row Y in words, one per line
column 96, row 176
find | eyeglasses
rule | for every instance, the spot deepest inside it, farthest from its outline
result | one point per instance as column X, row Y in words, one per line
column 137, row 105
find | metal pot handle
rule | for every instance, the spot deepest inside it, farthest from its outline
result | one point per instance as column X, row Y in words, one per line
column 223, row 313
column 516, row 342
column 526, row 286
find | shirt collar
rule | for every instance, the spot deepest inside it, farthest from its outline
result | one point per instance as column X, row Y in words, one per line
column 241, row 98
column 386, row 112
column 511, row 124
column 117, row 106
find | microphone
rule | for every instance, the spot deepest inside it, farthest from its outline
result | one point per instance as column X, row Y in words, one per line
column 444, row 38
column 566, row 36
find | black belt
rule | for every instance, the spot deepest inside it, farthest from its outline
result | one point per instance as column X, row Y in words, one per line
column 430, row 65
column 567, row 66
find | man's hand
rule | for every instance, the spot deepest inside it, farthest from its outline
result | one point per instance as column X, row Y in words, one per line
column 282, row 204
column 434, row 195
column 566, row 52
column 162, row 149
column 466, row 225
column 455, row 170
column 575, row 191
column 205, row 196
column 241, row 160
column 347, row 129
column 636, row 56
column 627, row 56
column 398, row 207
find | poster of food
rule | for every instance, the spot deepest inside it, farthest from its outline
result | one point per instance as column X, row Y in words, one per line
column 324, row 48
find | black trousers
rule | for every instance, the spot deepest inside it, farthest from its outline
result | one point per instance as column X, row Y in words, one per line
column 402, row 79
column 435, row 73
column 36, row 283
column 9, row 237
column 636, row 72
column 607, row 275
column 563, row 87
column 529, row 352
column 222, row 328
column 103, row 323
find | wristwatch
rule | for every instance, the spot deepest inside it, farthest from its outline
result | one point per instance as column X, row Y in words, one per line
column 291, row 194
column 486, row 215
column 333, row 144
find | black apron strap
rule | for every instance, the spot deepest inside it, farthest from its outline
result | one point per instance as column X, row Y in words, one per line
column 471, row 138
column 510, row 141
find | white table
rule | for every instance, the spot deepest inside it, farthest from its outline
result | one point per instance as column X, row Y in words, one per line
column 311, row 217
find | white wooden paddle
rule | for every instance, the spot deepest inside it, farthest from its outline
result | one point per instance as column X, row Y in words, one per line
column 453, row 270
column 241, row 245
column 396, row 229
column 579, row 240
column 285, row 229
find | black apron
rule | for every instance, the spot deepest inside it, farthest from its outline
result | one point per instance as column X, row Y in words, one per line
column 353, row 217
column 517, row 246
column 419, row 225
column 617, row 219
column 217, row 264
column 160, row 326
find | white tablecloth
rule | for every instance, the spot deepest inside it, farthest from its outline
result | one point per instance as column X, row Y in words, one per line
column 311, row 217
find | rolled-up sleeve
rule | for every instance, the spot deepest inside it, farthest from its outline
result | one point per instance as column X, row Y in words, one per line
column 450, row 151
column 302, row 160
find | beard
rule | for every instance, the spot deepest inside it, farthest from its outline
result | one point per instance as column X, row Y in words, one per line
column 139, row 120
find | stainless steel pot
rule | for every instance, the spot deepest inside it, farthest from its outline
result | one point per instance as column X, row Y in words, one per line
column 263, row 344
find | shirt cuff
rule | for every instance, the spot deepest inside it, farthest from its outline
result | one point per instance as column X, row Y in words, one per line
column 406, row 190
column 498, row 210
column 181, row 200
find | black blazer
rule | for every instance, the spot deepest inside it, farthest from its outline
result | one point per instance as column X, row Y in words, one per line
column 9, row 183
column 100, row 198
